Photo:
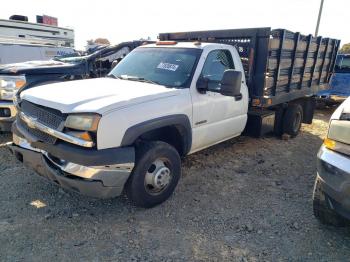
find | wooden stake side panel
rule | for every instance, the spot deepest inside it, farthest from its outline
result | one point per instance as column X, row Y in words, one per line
column 293, row 65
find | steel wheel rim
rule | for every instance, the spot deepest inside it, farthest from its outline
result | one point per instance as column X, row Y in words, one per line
column 297, row 122
column 158, row 177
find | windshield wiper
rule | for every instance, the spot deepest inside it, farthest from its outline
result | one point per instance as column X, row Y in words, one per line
column 113, row 76
column 137, row 78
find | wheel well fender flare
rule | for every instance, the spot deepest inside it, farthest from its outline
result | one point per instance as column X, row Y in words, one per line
column 180, row 121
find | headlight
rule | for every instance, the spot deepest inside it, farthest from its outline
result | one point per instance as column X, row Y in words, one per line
column 338, row 138
column 9, row 86
column 339, row 130
column 88, row 122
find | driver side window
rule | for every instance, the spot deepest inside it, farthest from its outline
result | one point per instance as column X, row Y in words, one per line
column 217, row 62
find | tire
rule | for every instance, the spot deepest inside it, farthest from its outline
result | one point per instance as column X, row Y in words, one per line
column 321, row 209
column 278, row 125
column 292, row 120
column 155, row 175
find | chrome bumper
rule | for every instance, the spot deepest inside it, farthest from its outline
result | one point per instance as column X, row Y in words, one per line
column 111, row 175
column 95, row 181
column 333, row 171
column 338, row 160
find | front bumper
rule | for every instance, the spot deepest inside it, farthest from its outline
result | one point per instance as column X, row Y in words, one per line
column 100, row 181
column 7, row 115
column 333, row 172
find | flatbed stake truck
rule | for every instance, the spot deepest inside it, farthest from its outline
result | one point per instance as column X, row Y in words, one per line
column 189, row 91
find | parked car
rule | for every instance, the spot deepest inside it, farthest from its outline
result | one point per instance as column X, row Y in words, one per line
column 331, row 198
column 164, row 101
column 33, row 73
column 340, row 83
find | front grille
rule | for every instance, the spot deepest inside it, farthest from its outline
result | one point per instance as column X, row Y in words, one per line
column 46, row 116
column 39, row 135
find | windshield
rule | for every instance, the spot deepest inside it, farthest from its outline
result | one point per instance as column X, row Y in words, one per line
column 345, row 62
column 342, row 64
column 171, row 67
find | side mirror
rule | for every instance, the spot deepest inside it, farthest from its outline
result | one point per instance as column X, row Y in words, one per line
column 202, row 85
column 231, row 84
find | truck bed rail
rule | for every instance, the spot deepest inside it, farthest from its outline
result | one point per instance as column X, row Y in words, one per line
column 279, row 65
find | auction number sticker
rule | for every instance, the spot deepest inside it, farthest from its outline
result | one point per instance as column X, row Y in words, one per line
column 168, row 66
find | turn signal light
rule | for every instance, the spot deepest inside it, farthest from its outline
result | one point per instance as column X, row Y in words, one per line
column 20, row 83
column 82, row 135
column 329, row 143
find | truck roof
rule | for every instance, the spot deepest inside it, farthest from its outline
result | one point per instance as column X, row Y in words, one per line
column 194, row 44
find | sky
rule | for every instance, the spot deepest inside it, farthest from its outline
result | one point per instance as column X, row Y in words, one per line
column 131, row 20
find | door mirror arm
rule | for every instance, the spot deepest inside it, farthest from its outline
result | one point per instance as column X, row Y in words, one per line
column 238, row 97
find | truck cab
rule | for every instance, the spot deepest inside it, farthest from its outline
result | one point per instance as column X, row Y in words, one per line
column 128, row 131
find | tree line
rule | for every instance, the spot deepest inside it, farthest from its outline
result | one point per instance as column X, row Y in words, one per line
column 345, row 49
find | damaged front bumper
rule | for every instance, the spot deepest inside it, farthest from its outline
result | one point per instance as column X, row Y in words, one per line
column 95, row 176
column 333, row 172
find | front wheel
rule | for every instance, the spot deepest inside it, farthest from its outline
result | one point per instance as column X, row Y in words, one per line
column 156, row 174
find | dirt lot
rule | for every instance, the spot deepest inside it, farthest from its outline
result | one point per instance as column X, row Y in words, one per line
column 242, row 200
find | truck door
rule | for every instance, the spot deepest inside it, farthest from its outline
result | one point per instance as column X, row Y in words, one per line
column 216, row 117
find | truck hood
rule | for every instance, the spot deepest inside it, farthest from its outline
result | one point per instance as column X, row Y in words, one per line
column 37, row 67
column 98, row 95
column 344, row 108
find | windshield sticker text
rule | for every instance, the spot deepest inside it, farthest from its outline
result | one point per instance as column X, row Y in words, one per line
column 167, row 66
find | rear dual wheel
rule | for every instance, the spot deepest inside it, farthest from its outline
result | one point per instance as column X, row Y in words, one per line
column 156, row 174
column 292, row 120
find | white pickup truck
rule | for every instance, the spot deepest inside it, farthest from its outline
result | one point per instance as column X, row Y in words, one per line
column 128, row 131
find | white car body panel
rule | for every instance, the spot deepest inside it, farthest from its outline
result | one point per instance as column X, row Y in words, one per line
column 113, row 125
column 343, row 108
column 225, row 118
column 17, row 53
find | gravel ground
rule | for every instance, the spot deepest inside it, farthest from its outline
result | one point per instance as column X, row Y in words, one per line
column 243, row 200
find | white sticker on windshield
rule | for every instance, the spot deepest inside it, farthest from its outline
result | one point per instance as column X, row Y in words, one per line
column 167, row 66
